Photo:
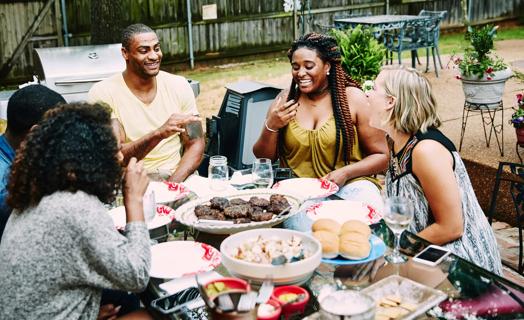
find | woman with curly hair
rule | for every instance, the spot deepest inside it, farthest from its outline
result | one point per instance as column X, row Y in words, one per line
column 319, row 127
column 60, row 247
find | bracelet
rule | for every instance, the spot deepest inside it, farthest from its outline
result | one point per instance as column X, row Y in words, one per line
column 268, row 128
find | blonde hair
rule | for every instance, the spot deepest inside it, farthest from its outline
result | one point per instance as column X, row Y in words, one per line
column 415, row 106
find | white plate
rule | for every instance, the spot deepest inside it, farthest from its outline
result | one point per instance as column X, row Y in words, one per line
column 166, row 191
column 175, row 259
column 343, row 210
column 307, row 188
column 164, row 215
column 185, row 214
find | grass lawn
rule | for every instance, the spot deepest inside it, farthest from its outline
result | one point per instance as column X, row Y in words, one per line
column 264, row 68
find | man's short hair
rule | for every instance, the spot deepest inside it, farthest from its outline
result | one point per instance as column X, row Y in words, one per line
column 130, row 31
column 27, row 106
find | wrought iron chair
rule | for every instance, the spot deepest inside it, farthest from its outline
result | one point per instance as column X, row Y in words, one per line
column 515, row 177
column 414, row 35
column 439, row 15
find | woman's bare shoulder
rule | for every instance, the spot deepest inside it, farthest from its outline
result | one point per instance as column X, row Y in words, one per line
column 356, row 98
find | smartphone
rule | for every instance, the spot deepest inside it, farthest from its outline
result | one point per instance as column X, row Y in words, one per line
column 432, row 255
column 188, row 298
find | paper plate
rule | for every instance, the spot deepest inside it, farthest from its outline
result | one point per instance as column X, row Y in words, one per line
column 307, row 188
column 185, row 214
column 343, row 210
column 175, row 259
column 378, row 248
column 166, row 191
column 164, row 215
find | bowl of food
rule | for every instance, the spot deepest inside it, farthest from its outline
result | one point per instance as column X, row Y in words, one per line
column 238, row 211
column 285, row 256
column 270, row 310
column 292, row 299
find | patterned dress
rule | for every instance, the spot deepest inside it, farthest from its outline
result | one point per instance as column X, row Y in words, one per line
column 478, row 243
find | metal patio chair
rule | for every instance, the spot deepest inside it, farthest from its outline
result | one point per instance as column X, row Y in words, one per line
column 515, row 177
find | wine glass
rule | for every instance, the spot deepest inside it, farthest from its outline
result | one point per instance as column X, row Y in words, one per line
column 398, row 213
column 262, row 173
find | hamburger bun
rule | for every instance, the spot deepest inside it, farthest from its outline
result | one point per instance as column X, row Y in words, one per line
column 354, row 246
column 326, row 225
column 329, row 242
column 355, row 226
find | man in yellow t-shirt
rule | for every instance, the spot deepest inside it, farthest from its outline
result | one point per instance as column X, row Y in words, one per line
column 151, row 108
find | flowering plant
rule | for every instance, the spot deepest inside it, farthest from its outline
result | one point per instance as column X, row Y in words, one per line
column 517, row 118
column 477, row 59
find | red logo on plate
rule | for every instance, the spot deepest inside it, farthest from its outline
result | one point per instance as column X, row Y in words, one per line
column 373, row 215
column 313, row 208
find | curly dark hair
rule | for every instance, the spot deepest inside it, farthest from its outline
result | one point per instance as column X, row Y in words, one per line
column 72, row 149
column 327, row 50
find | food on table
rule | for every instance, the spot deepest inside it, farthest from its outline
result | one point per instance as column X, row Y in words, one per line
column 237, row 201
column 351, row 240
column 259, row 202
column 355, row 226
column 326, row 225
column 329, row 242
column 215, row 288
column 287, row 297
column 205, row 212
column 219, row 203
column 393, row 307
column 354, row 246
column 242, row 211
column 264, row 250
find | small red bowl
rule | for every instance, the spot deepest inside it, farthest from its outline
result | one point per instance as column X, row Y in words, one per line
column 291, row 308
column 275, row 315
column 232, row 285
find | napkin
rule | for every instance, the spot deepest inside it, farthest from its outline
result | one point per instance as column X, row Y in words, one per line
column 201, row 187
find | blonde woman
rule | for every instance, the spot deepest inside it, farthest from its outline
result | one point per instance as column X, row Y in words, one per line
column 426, row 167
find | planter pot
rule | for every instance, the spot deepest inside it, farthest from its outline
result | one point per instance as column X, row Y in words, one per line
column 520, row 136
column 484, row 91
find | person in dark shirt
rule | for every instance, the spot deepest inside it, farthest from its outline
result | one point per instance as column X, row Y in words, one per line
column 24, row 109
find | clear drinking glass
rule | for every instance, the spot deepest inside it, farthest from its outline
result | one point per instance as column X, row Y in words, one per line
column 218, row 173
column 262, row 173
column 398, row 213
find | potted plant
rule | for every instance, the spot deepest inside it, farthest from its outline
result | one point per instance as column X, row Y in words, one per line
column 362, row 54
column 517, row 120
column 483, row 75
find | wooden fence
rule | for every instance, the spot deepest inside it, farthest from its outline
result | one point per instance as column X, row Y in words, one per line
column 242, row 26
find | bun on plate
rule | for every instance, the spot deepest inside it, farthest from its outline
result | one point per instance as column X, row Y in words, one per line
column 326, row 225
column 329, row 242
column 355, row 226
column 354, row 246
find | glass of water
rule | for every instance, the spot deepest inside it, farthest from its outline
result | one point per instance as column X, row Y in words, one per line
column 398, row 213
column 218, row 173
column 262, row 173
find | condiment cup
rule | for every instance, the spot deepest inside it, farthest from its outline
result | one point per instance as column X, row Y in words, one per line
column 290, row 308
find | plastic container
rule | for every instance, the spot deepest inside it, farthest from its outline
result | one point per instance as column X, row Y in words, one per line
column 347, row 305
column 218, row 173
column 288, row 309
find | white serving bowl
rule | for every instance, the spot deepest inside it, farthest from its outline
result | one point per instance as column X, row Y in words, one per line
column 293, row 273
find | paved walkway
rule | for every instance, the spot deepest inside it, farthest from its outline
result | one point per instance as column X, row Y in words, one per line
column 508, row 241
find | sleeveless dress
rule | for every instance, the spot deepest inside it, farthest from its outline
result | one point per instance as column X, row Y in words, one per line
column 478, row 243
column 311, row 153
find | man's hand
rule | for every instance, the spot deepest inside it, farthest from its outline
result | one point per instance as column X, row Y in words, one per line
column 174, row 124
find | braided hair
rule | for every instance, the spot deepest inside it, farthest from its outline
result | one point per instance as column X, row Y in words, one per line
column 327, row 50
